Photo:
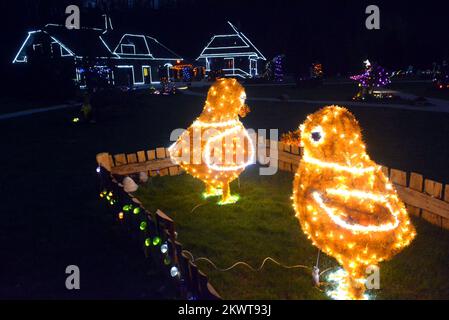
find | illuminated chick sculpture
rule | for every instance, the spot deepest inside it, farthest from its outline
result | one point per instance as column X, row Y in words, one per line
column 344, row 202
column 216, row 148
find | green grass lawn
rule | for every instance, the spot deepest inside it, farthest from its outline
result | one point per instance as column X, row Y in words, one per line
column 262, row 224
column 52, row 216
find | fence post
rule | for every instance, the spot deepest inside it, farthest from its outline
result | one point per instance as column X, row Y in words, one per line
column 104, row 160
column 416, row 183
column 398, row 177
column 435, row 190
column 445, row 222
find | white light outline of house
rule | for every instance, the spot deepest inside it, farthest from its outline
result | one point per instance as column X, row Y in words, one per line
column 61, row 44
column 143, row 55
column 70, row 52
column 168, row 65
column 107, row 47
column 225, row 36
column 127, row 45
column 62, row 54
column 162, row 45
column 146, row 58
column 116, row 56
column 38, row 45
column 223, row 55
column 136, row 54
column 236, row 74
column 132, row 69
column 23, row 45
column 61, row 25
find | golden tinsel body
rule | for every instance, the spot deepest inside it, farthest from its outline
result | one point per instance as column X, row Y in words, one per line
column 344, row 202
column 224, row 147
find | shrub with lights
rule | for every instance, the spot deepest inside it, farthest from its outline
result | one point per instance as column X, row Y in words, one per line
column 278, row 68
column 317, row 70
column 216, row 148
column 345, row 204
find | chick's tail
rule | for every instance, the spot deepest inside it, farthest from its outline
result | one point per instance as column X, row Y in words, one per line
column 292, row 138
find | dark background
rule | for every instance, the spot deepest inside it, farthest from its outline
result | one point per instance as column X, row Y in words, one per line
column 332, row 32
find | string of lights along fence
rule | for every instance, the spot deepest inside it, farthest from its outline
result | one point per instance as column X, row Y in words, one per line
column 345, row 204
column 225, row 147
column 151, row 239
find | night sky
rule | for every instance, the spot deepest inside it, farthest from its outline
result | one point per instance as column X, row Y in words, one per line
column 332, row 32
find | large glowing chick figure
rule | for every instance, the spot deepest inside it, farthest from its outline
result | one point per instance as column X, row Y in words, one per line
column 216, row 148
column 343, row 200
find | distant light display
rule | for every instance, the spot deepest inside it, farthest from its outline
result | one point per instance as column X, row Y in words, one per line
column 278, row 68
column 374, row 76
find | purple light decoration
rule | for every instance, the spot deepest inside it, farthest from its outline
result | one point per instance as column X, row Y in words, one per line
column 374, row 76
column 278, row 74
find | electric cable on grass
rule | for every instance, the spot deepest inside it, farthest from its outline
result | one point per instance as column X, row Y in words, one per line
column 244, row 263
column 315, row 270
column 197, row 206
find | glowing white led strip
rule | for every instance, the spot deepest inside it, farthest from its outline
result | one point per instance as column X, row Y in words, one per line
column 356, row 227
column 207, row 153
column 208, row 160
column 336, row 166
column 357, row 194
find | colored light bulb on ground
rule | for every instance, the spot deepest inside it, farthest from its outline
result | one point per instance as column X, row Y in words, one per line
column 174, row 272
column 156, row 241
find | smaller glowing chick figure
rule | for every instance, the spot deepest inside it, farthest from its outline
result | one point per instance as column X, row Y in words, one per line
column 216, row 148
column 343, row 200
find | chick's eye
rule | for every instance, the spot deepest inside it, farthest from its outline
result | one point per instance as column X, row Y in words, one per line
column 316, row 136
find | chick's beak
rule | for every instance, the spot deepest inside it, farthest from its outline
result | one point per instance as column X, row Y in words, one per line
column 244, row 110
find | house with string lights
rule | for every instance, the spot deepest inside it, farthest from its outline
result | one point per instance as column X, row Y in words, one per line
column 122, row 59
column 233, row 54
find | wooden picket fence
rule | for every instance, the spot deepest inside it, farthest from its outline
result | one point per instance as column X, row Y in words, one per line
column 423, row 197
column 155, row 230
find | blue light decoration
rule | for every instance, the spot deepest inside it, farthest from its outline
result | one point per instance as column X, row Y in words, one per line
column 278, row 71
column 186, row 74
